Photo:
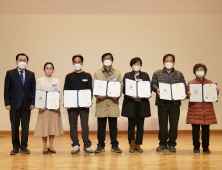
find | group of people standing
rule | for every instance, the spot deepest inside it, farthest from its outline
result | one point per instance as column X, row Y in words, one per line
column 19, row 95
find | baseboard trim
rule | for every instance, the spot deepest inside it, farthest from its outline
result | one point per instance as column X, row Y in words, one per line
column 120, row 132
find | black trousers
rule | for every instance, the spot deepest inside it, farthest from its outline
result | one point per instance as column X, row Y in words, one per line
column 136, row 122
column 131, row 130
column 205, row 136
column 101, row 133
column 172, row 113
column 16, row 116
column 73, row 122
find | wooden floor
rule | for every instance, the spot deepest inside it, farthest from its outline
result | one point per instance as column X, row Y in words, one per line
column 184, row 158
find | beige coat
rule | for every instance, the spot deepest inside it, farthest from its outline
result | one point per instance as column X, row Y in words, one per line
column 107, row 107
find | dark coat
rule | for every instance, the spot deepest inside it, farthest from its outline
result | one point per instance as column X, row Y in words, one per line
column 14, row 90
column 128, row 107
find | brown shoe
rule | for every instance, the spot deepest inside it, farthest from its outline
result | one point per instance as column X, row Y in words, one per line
column 132, row 146
column 138, row 149
column 45, row 151
column 52, row 150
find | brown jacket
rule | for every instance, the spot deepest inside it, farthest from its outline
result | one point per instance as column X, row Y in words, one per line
column 107, row 107
column 159, row 77
column 201, row 113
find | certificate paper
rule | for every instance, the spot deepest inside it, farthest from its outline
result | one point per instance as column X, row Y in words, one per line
column 114, row 88
column 178, row 91
column 99, row 88
column 165, row 91
column 196, row 92
column 52, row 99
column 210, row 93
column 144, row 89
column 84, row 98
column 40, row 97
column 70, row 98
column 130, row 88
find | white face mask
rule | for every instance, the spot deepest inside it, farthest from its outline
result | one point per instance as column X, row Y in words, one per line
column 136, row 68
column 22, row 65
column 77, row 66
column 168, row 65
column 107, row 63
column 200, row 74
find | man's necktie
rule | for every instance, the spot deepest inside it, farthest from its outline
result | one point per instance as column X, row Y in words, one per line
column 21, row 77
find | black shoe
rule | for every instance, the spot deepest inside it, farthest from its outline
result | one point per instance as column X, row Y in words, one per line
column 14, row 151
column 196, row 150
column 116, row 149
column 161, row 148
column 206, row 151
column 99, row 149
column 25, row 150
column 172, row 149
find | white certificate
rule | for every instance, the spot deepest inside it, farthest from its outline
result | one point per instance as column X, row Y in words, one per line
column 70, row 99
column 130, row 88
column 165, row 91
column 210, row 93
column 144, row 89
column 114, row 88
column 99, row 88
column 178, row 91
column 84, row 98
column 52, row 99
column 196, row 92
column 40, row 97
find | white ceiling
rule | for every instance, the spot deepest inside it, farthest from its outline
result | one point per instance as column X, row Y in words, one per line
column 110, row 6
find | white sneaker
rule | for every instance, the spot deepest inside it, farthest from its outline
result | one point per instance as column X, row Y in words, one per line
column 88, row 150
column 75, row 149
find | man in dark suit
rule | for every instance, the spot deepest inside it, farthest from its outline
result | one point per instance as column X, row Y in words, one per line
column 19, row 94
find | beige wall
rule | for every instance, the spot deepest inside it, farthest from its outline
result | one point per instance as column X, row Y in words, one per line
column 54, row 37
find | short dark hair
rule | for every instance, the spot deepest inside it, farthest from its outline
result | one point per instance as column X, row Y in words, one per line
column 78, row 55
column 47, row 64
column 106, row 54
column 135, row 60
column 23, row 55
column 168, row 55
column 198, row 66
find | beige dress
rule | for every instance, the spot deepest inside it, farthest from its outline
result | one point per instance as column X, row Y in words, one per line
column 49, row 122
